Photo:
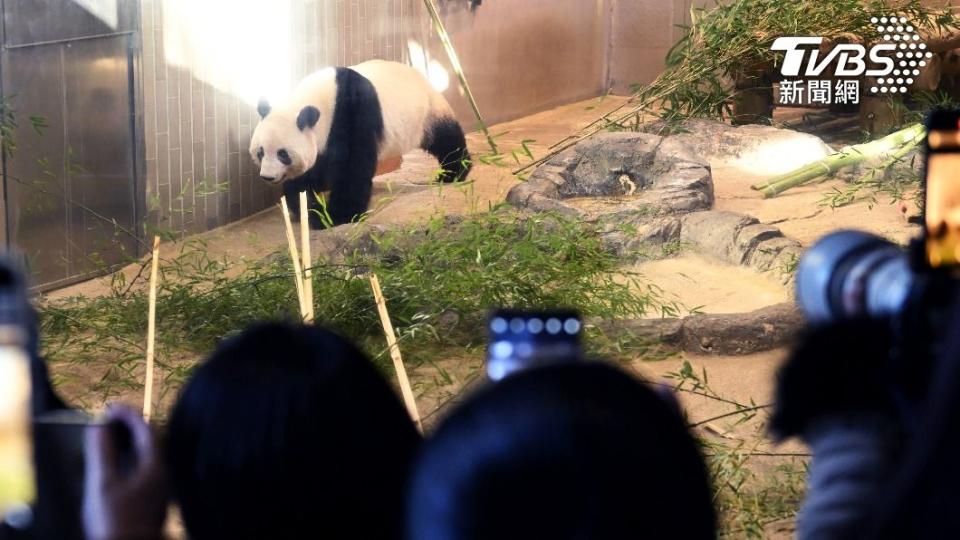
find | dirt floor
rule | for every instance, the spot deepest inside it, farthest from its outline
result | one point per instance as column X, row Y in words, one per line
column 406, row 196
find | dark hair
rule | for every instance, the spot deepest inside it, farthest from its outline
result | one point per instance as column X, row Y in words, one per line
column 841, row 368
column 289, row 432
column 567, row 451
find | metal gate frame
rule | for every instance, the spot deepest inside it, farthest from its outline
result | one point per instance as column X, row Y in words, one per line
column 136, row 131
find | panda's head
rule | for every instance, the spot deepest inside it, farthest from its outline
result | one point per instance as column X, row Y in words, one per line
column 283, row 146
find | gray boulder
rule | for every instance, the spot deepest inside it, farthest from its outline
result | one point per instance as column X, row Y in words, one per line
column 619, row 176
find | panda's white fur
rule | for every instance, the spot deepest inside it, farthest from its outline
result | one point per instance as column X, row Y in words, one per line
column 407, row 102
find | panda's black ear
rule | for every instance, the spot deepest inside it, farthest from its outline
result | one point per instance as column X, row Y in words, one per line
column 308, row 117
column 263, row 108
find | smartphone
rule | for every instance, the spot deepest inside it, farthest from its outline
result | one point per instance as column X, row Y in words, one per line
column 17, row 479
column 941, row 235
column 520, row 340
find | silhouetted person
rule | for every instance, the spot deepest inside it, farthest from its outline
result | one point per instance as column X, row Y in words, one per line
column 921, row 500
column 838, row 391
column 289, row 432
column 561, row 452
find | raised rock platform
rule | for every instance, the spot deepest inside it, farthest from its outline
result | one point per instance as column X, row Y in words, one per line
column 619, row 176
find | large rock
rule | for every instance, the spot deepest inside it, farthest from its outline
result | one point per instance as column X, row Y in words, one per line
column 739, row 239
column 618, row 177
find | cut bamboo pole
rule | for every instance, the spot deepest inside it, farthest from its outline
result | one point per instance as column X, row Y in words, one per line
column 405, row 389
column 307, row 263
column 848, row 155
column 294, row 256
column 151, row 332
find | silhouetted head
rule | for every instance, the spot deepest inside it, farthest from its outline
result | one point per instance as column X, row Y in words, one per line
column 289, row 432
column 567, row 451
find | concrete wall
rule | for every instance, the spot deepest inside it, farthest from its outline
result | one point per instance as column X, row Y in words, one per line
column 642, row 34
column 523, row 56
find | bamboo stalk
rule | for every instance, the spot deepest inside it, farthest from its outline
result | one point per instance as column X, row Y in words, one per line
column 294, row 256
column 848, row 155
column 307, row 262
column 458, row 69
column 151, row 332
column 897, row 156
column 405, row 389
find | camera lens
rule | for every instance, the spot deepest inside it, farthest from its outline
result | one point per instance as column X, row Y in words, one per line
column 852, row 273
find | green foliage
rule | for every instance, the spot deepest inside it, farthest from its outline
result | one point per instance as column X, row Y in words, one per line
column 323, row 212
column 733, row 39
column 427, row 274
column 499, row 259
column 747, row 499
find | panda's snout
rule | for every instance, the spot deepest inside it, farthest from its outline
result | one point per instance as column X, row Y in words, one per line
column 269, row 179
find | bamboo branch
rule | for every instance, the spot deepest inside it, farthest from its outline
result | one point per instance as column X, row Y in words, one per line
column 405, row 389
column 307, row 262
column 294, row 256
column 151, row 332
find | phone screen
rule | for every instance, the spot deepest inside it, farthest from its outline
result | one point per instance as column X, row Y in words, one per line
column 522, row 340
column 942, row 206
column 17, row 484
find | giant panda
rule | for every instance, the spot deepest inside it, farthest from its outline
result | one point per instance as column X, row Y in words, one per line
column 339, row 123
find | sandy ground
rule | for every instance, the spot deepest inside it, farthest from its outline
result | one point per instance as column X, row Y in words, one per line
column 407, row 195
column 704, row 285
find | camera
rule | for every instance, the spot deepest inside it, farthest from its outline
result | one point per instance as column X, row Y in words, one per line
column 851, row 274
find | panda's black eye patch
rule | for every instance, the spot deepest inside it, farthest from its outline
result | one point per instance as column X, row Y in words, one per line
column 284, row 157
column 260, row 153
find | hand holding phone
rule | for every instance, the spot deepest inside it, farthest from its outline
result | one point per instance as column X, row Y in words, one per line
column 942, row 190
column 522, row 340
column 125, row 492
column 17, row 486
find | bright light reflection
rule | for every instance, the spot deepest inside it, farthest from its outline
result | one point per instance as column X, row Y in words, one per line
column 431, row 69
column 241, row 47
column 782, row 155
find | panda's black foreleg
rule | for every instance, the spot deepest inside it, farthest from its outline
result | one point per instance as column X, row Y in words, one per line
column 445, row 141
column 350, row 190
column 313, row 182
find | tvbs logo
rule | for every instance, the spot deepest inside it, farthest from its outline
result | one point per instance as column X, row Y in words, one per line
column 849, row 58
column 893, row 63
